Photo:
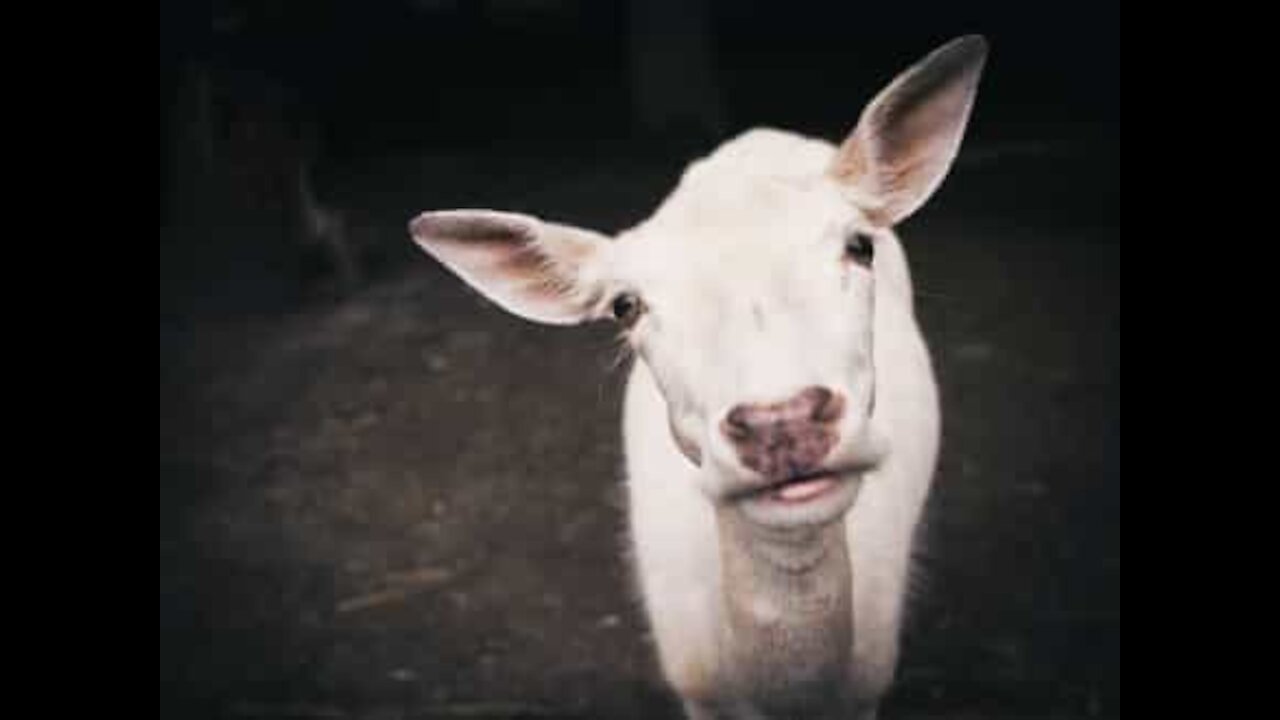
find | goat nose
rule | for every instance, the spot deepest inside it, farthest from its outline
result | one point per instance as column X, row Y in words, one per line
column 813, row 404
column 785, row 437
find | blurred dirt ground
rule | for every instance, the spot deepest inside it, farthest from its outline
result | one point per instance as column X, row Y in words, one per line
column 406, row 504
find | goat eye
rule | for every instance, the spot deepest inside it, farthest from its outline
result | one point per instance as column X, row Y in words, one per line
column 627, row 308
column 860, row 248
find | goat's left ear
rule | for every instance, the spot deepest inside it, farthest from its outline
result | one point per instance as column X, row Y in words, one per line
column 537, row 270
column 907, row 137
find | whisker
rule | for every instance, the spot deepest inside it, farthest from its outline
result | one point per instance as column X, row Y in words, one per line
column 622, row 352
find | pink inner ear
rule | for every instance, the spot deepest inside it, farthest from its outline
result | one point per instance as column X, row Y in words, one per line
column 921, row 125
column 505, row 249
column 480, row 228
column 908, row 136
column 506, row 258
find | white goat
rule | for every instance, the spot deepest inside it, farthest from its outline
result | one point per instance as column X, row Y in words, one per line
column 782, row 425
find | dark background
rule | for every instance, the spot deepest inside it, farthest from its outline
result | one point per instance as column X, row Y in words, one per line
column 382, row 498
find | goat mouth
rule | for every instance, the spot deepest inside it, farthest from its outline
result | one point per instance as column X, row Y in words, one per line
column 808, row 499
column 802, row 488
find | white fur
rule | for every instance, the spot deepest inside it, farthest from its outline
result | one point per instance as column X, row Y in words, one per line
column 749, row 296
column 672, row 522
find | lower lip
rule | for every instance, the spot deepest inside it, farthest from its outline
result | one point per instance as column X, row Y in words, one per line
column 804, row 490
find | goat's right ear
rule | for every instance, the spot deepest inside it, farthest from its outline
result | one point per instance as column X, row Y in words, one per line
column 537, row 270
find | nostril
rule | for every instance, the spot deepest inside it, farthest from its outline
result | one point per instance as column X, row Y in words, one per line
column 825, row 406
column 737, row 424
